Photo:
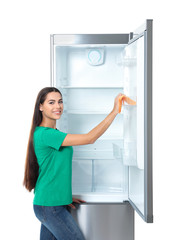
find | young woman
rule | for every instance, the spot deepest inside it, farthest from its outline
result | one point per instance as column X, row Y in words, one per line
column 49, row 163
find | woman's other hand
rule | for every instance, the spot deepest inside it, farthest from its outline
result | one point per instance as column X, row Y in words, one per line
column 75, row 200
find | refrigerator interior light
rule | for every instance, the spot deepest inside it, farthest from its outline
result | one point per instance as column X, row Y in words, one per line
column 95, row 56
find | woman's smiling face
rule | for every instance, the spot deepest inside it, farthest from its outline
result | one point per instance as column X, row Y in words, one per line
column 52, row 107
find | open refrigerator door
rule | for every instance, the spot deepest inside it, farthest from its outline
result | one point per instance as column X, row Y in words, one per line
column 138, row 122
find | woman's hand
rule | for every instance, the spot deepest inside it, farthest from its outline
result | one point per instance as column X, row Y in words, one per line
column 75, row 200
column 118, row 103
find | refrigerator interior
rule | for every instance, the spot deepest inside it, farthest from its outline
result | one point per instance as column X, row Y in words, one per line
column 89, row 78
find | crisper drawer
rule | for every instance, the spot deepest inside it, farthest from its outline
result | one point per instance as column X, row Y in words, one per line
column 92, row 180
column 105, row 221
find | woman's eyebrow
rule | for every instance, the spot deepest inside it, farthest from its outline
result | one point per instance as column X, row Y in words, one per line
column 52, row 100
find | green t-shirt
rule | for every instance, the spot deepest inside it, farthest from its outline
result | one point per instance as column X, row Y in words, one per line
column 53, row 186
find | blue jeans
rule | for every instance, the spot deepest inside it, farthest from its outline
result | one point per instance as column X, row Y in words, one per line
column 57, row 223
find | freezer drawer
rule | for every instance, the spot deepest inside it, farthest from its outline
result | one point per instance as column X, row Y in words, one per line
column 105, row 221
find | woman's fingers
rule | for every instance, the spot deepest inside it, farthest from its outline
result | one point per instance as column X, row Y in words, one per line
column 120, row 102
column 78, row 200
column 129, row 100
column 72, row 206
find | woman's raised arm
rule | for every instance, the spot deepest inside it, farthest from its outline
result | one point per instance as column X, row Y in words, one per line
column 95, row 133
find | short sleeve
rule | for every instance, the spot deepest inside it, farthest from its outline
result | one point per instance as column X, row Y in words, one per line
column 53, row 138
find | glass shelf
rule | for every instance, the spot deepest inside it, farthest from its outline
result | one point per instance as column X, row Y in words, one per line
column 95, row 158
column 103, row 112
column 95, row 197
column 100, row 150
column 98, row 87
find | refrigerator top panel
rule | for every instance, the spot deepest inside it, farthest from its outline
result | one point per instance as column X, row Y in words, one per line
column 75, row 39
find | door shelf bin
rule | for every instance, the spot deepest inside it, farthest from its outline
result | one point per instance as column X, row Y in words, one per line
column 130, row 153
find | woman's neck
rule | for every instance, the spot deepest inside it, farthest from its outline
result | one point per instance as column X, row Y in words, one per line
column 50, row 124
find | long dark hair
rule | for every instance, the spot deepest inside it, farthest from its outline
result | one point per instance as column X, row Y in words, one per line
column 31, row 165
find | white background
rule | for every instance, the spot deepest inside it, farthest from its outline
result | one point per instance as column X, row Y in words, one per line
column 25, row 28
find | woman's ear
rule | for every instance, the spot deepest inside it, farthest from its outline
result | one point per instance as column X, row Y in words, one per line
column 41, row 108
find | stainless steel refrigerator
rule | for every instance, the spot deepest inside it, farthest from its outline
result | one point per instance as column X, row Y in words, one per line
column 113, row 175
